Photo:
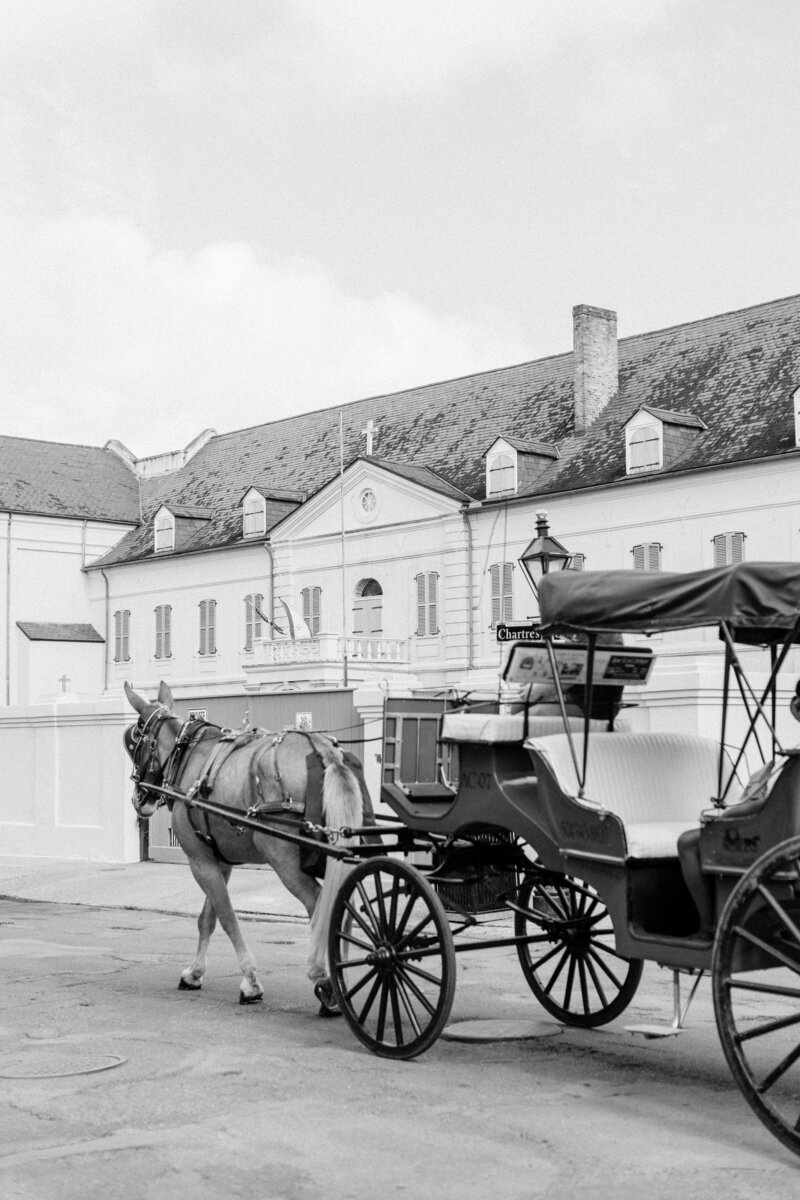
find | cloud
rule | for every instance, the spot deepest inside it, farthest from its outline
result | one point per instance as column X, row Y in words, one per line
column 107, row 337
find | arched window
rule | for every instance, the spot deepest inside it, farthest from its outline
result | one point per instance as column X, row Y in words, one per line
column 368, row 608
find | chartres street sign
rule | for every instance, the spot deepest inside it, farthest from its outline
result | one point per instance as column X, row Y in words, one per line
column 519, row 633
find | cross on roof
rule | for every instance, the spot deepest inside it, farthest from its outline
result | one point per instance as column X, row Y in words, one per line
column 64, row 680
column 370, row 430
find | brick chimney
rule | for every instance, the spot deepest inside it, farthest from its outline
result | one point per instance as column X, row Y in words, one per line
column 594, row 340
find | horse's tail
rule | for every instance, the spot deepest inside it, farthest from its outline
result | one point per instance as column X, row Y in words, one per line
column 343, row 806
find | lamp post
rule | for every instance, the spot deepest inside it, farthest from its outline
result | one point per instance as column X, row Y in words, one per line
column 544, row 554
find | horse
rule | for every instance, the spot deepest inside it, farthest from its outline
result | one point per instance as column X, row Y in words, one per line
column 253, row 772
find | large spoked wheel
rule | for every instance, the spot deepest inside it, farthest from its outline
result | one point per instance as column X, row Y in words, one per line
column 756, row 984
column 391, row 955
column 571, row 964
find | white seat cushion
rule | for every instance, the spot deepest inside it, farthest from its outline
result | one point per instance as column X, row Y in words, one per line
column 656, row 783
column 505, row 727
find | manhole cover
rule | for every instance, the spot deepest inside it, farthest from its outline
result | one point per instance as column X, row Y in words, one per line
column 51, row 1063
column 498, row 1030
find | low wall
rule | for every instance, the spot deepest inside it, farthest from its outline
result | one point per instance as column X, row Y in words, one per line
column 64, row 782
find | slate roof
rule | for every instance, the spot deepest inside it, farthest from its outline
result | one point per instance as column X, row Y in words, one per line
column 674, row 418
column 422, row 475
column 735, row 372
column 54, row 479
column 52, row 631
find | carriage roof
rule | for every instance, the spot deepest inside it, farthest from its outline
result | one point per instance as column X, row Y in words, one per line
column 760, row 601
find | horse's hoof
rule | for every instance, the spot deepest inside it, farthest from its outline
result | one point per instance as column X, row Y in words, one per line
column 327, row 999
column 183, row 986
column 250, row 999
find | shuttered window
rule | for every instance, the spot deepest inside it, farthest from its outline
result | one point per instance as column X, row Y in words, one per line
column 164, row 631
column 253, row 623
column 728, row 548
column 427, row 603
column 577, row 562
column 255, row 516
column 164, row 532
column 208, row 627
column 644, row 448
column 502, row 575
column 647, row 556
column 501, row 473
column 312, row 602
column 122, row 634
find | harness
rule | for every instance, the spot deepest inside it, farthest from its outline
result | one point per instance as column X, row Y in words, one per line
column 190, row 735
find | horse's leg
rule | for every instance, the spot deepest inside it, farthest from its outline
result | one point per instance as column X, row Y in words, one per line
column 192, row 977
column 284, row 859
column 212, row 878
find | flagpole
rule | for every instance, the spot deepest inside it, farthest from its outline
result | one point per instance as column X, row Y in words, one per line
column 341, row 521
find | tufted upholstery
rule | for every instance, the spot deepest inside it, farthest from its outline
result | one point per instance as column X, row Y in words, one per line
column 656, row 783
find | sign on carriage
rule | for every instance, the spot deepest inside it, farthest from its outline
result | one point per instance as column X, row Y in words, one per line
column 527, row 665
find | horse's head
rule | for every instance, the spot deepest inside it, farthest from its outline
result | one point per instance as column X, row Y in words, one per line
column 148, row 743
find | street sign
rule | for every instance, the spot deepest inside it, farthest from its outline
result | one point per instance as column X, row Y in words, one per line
column 519, row 633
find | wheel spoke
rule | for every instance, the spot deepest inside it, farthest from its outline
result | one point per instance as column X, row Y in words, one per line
column 354, row 941
column 420, row 995
column 604, row 966
column 760, row 944
column 371, row 975
column 391, row 984
column 771, row 989
column 780, row 912
column 768, row 1027
column 779, row 1071
column 409, row 968
column 557, row 972
column 381, row 1027
column 408, row 937
column 570, row 981
column 595, row 978
column 582, row 978
column 407, row 1005
column 369, row 927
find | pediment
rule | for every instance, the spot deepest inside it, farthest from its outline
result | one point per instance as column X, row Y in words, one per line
column 368, row 497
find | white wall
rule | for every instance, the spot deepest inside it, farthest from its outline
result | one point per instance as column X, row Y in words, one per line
column 65, row 790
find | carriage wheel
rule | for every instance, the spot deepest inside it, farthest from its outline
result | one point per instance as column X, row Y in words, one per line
column 572, row 967
column 756, row 985
column 392, row 961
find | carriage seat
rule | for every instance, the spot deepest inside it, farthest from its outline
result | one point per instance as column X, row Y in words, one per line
column 500, row 728
column 656, row 783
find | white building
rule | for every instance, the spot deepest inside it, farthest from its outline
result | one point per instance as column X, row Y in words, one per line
column 246, row 569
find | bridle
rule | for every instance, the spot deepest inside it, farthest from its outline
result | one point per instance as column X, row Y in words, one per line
column 141, row 743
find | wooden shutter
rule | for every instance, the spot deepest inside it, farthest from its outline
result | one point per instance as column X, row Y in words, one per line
column 728, row 549
column 647, row 556
column 508, row 593
column 494, row 572
column 421, row 609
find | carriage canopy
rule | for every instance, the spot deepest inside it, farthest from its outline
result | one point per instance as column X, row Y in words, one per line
column 759, row 601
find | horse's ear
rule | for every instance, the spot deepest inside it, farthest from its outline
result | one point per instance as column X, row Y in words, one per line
column 135, row 701
column 165, row 695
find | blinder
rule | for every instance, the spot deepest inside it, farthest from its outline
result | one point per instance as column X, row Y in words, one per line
column 141, row 744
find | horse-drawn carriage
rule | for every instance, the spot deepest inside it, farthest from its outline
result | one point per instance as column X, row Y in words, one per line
column 613, row 847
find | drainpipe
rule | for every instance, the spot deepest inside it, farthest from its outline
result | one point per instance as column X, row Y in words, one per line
column 269, row 551
column 8, row 609
column 107, row 632
column 470, row 634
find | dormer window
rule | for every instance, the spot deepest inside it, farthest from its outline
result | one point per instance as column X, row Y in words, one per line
column 164, row 531
column 514, row 466
column 255, row 514
column 656, row 439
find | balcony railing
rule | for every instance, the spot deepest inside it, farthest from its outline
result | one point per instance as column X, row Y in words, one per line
column 327, row 648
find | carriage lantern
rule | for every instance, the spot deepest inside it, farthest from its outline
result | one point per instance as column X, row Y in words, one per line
column 545, row 553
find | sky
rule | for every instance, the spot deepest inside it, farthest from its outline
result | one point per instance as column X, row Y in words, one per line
column 216, row 213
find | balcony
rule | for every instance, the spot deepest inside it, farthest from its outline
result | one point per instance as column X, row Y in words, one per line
column 318, row 661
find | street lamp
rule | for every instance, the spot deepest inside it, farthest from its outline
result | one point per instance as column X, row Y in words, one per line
column 544, row 554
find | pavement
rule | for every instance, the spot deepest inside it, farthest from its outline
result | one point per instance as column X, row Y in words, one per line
column 149, row 886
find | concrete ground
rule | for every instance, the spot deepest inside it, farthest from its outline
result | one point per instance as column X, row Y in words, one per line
column 115, row 1084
